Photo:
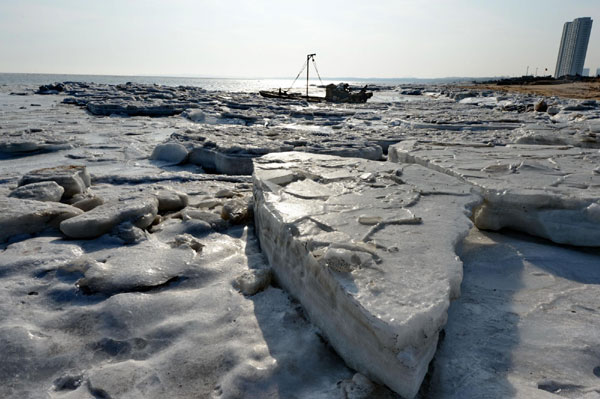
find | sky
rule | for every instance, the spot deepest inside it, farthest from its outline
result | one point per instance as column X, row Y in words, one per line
column 270, row 38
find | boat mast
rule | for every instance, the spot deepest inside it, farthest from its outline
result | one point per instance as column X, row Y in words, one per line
column 308, row 58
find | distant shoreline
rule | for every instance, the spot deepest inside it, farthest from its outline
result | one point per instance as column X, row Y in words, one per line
column 574, row 90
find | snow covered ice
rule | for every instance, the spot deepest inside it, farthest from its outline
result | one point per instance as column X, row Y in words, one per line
column 525, row 325
column 174, row 242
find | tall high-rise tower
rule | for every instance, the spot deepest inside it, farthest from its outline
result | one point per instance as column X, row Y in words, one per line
column 573, row 47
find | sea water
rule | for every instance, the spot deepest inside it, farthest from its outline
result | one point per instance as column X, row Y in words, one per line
column 220, row 84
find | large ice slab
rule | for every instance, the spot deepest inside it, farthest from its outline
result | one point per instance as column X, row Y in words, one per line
column 548, row 191
column 132, row 99
column 23, row 216
column 230, row 149
column 369, row 250
column 74, row 179
column 34, row 140
column 41, row 191
column 148, row 265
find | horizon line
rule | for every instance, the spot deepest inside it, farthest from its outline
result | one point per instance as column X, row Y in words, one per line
column 191, row 76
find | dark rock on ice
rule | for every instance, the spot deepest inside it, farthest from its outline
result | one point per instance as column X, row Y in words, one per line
column 540, row 106
column 411, row 92
column 68, row 382
column 237, row 211
column 51, row 89
column 341, row 93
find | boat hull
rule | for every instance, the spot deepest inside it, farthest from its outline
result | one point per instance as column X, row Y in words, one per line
column 290, row 96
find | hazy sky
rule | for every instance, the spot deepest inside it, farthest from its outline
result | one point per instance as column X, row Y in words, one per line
column 270, row 38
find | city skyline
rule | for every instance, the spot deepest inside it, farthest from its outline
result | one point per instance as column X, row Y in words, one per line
column 387, row 39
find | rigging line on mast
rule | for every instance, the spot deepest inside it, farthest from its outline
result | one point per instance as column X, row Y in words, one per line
column 297, row 76
column 316, row 69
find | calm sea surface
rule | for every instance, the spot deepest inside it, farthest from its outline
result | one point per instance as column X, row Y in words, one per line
column 231, row 85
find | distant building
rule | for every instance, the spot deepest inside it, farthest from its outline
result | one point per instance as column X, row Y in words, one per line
column 598, row 72
column 586, row 72
column 573, row 47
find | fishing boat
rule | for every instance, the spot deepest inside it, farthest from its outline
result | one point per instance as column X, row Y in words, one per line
column 290, row 96
column 340, row 93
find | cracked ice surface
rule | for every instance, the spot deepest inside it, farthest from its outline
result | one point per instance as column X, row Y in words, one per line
column 369, row 250
column 548, row 191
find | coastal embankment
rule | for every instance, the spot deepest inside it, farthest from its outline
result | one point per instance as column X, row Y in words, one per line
column 575, row 90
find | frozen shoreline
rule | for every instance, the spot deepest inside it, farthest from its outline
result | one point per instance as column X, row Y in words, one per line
column 119, row 315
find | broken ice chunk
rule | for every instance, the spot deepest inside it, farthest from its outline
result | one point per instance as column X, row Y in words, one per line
column 139, row 210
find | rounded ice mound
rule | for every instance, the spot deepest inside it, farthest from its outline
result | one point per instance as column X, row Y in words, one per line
column 139, row 210
column 147, row 265
column 170, row 152
column 194, row 115
column 170, row 200
column 42, row 191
